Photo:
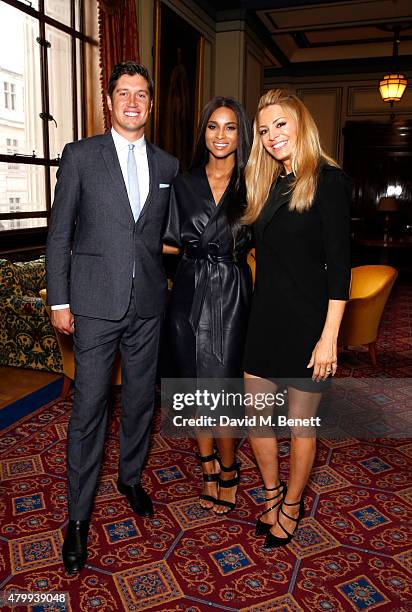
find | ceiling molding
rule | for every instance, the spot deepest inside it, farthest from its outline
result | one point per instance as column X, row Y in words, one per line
column 331, row 67
column 352, row 41
column 298, row 34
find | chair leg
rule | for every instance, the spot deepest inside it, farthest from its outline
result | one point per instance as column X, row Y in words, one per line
column 67, row 383
column 372, row 353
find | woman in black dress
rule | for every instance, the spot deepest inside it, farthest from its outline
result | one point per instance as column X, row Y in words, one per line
column 209, row 307
column 298, row 203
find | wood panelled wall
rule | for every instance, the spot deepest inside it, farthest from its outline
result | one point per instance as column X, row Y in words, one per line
column 378, row 156
column 335, row 101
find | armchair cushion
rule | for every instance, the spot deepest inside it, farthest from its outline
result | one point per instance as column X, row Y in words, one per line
column 27, row 338
column 22, row 278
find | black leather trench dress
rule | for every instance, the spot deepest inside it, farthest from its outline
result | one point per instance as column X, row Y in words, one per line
column 208, row 312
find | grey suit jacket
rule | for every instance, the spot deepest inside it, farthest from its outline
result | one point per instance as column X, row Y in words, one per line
column 93, row 238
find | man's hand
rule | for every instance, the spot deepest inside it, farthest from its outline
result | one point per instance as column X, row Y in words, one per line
column 63, row 320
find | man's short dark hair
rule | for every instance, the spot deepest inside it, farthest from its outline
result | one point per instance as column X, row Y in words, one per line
column 130, row 68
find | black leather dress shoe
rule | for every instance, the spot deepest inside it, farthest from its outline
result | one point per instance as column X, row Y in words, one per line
column 138, row 499
column 75, row 546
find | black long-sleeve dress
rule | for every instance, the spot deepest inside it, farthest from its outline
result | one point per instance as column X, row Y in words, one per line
column 302, row 261
column 209, row 307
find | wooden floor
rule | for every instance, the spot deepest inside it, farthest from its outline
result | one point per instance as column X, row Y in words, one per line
column 15, row 383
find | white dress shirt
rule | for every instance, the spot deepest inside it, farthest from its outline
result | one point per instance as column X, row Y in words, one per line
column 122, row 149
column 142, row 165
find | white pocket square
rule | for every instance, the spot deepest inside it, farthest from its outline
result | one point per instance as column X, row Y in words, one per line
column 163, row 185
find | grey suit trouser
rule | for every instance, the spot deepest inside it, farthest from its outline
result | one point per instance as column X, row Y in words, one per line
column 96, row 342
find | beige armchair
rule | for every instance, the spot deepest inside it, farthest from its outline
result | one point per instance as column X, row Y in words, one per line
column 251, row 259
column 370, row 289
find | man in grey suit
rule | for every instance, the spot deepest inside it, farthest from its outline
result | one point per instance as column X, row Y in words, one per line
column 107, row 286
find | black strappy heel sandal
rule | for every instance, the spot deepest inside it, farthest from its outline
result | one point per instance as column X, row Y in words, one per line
column 273, row 541
column 227, row 484
column 208, row 477
column 262, row 528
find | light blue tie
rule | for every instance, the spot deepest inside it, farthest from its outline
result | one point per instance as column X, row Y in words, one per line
column 134, row 194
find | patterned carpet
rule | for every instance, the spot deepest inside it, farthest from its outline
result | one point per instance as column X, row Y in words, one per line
column 351, row 551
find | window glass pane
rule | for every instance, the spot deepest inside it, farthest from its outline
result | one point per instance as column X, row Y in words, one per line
column 77, row 16
column 59, row 10
column 20, row 89
column 22, row 189
column 15, row 224
column 80, row 109
column 53, row 180
column 60, row 90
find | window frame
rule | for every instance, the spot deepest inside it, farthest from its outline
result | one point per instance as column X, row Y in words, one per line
column 12, row 239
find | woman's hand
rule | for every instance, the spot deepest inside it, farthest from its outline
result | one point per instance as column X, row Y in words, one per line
column 324, row 358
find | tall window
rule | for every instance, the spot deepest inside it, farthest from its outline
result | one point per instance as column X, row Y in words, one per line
column 42, row 107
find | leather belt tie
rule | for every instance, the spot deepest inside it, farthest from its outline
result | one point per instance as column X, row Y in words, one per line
column 208, row 273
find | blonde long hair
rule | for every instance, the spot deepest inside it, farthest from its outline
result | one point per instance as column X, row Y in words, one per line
column 262, row 169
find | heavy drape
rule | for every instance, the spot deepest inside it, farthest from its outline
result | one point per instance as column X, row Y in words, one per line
column 118, row 40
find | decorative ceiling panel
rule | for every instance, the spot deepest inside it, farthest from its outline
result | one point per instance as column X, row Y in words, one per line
column 351, row 13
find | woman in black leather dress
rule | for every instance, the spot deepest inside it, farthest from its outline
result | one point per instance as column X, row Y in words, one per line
column 207, row 316
column 298, row 203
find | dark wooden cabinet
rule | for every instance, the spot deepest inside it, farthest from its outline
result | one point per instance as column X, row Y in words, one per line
column 378, row 157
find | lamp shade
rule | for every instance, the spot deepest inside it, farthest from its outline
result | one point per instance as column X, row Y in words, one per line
column 392, row 87
column 388, row 204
